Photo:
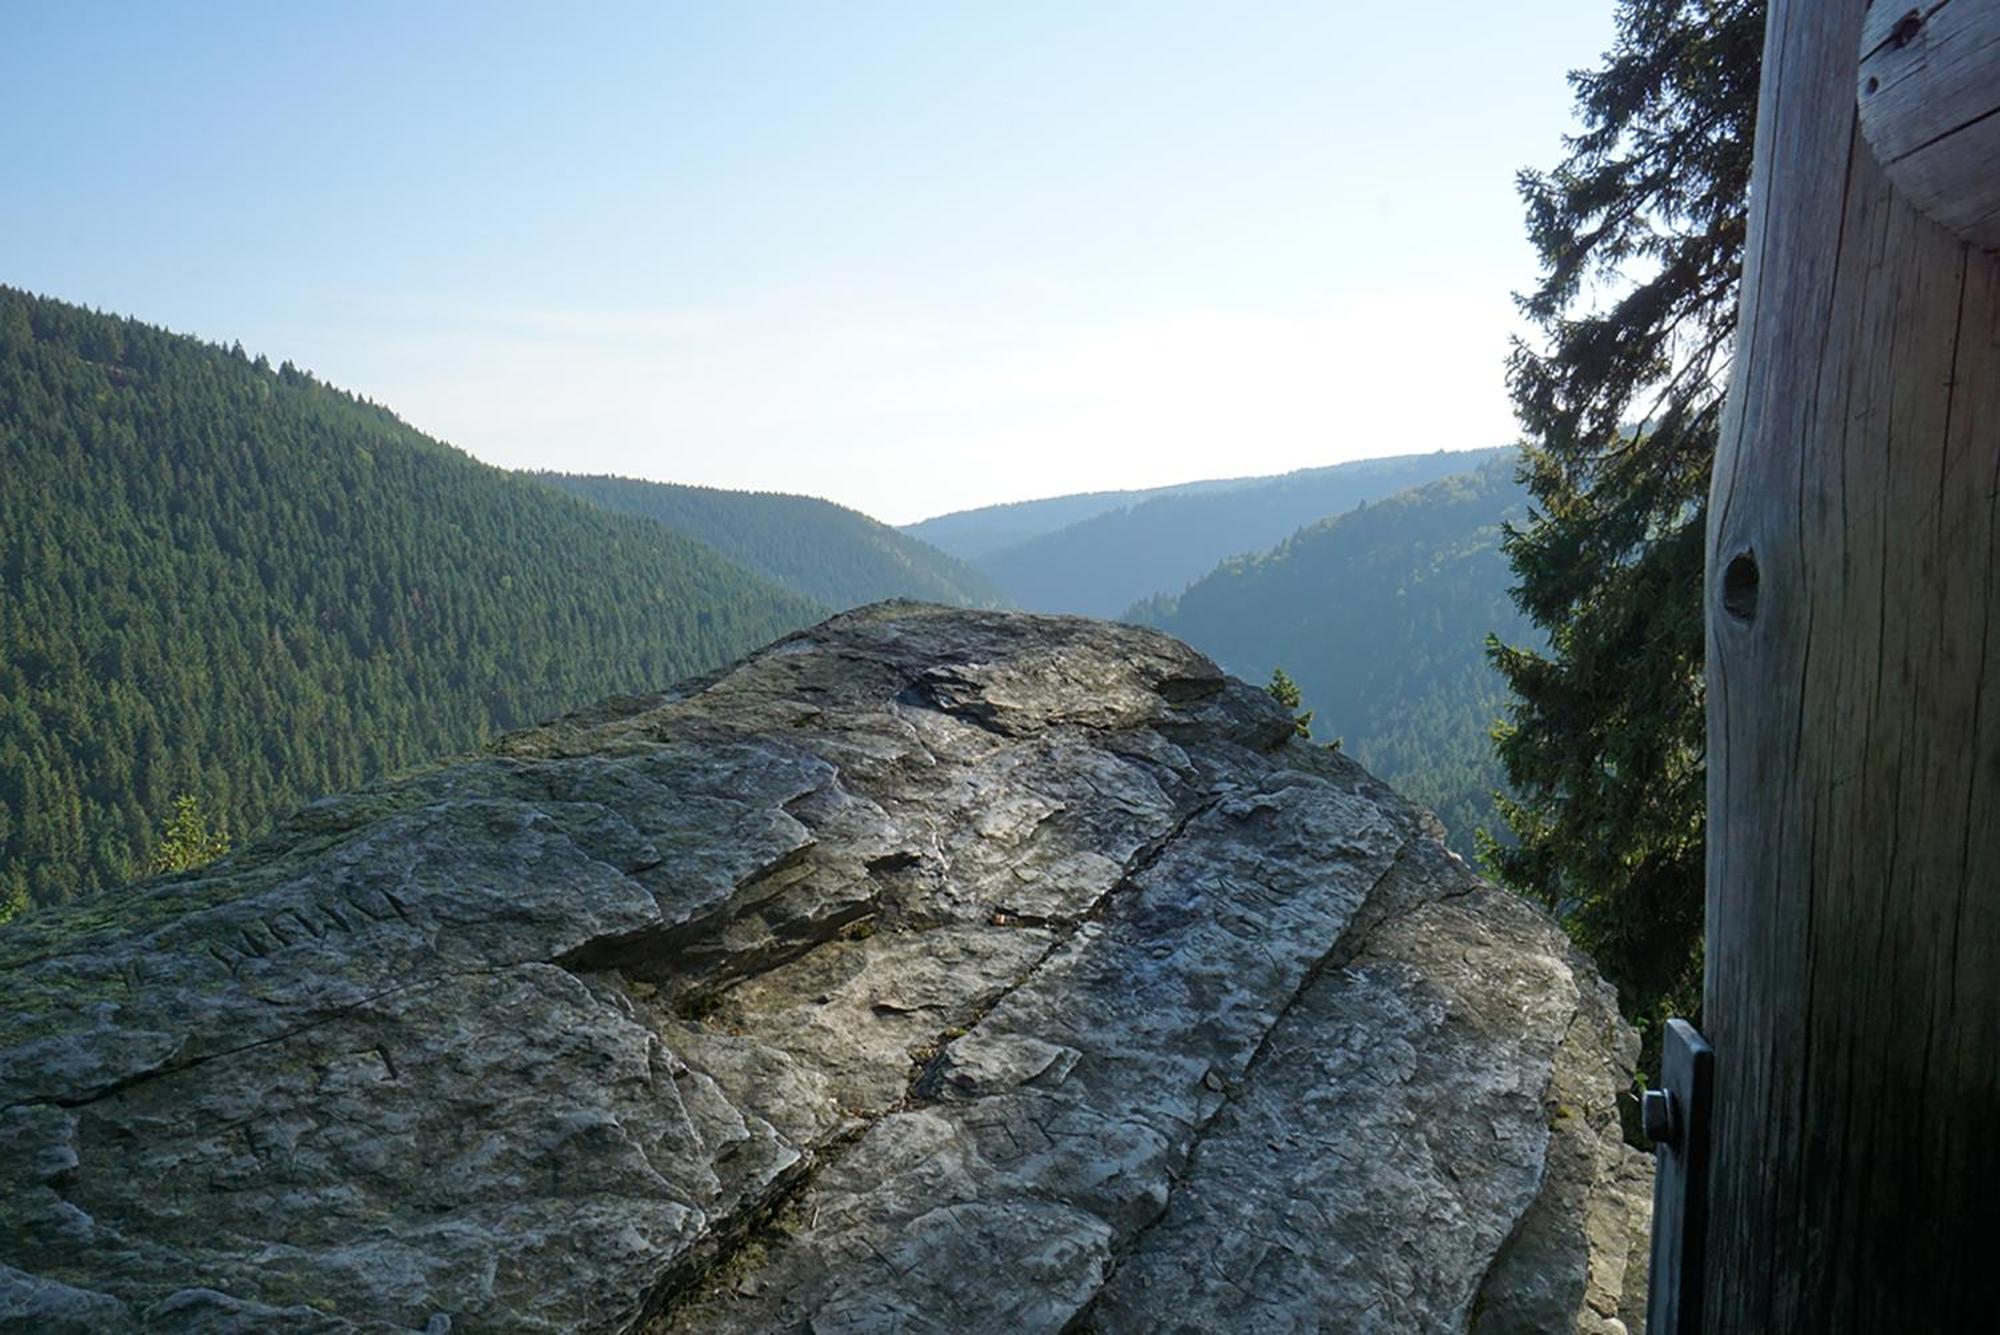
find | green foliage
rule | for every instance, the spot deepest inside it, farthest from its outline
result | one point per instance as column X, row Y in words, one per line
column 1101, row 564
column 188, row 842
column 835, row 556
column 971, row 534
column 1640, row 233
column 235, row 582
column 1286, row 692
column 1382, row 613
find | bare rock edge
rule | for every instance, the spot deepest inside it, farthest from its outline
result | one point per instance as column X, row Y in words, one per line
column 926, row 971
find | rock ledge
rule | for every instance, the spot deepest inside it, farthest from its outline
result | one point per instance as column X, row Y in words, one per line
column 926, row 971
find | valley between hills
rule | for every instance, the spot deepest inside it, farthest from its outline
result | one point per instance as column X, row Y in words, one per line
column 839, row 855
column 232, row 583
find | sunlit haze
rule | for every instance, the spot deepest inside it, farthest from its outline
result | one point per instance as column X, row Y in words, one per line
column 913, row 258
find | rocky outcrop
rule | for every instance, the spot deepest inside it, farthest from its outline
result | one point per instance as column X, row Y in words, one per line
column 928, row 971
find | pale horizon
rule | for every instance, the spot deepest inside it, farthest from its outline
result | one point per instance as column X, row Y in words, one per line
column 910, row 260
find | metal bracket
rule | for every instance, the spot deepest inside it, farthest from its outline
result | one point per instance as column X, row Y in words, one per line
column 1676, row 1117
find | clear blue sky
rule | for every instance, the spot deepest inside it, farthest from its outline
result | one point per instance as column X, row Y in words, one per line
column 913, row 257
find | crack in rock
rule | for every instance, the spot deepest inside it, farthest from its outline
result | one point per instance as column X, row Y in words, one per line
column 929, row 970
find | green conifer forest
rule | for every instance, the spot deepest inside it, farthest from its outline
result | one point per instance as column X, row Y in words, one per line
column 826, row 552
column 1377, row 620
column 225, row 580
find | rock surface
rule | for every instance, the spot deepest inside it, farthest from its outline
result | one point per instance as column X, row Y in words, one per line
column 928, row 971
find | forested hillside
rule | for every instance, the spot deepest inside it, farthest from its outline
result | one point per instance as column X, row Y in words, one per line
column 1381, row 616
column 826, row 552
column 971, row 534
column 231, row 581
column 1102, row 564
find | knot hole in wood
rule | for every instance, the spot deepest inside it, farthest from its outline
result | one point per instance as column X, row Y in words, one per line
column 1739, row 586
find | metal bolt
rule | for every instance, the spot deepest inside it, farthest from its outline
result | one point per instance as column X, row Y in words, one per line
column 1660, row 1117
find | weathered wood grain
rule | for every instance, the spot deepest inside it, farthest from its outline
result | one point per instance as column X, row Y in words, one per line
column 1929, row 90
column 1853, row 992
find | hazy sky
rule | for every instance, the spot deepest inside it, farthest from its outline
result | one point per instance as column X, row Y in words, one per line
column 912, row 257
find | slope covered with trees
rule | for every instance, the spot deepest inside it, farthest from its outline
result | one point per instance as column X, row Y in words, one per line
column 228, row 581
column 1104, row 563
column 971, row 534
column 1380, row 616
column 829, row 553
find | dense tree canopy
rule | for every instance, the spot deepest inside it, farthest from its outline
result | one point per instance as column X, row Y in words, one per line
column 971, row 534
column 835, row 556
column 1102, row 564
column 1380, row 617
column 234, row 583
column 1640, row 231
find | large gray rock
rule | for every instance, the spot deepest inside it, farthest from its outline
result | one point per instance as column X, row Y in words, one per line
column 929, row 971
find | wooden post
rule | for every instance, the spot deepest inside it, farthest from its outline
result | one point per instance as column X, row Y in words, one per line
column 1853, row 994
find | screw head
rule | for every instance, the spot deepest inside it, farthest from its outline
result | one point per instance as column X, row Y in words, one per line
column 1658, row 1116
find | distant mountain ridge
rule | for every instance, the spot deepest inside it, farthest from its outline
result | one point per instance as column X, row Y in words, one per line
column 1381, row 616
column 971, row 534
column 233, row 581
column 835, row 556
column 1103, row 562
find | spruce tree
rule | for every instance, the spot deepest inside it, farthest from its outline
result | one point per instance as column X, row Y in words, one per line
column 188, row 842
column 1286, row 692
column 1640, row 233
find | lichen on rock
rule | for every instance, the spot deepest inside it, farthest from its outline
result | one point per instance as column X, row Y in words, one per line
column 927, row 971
